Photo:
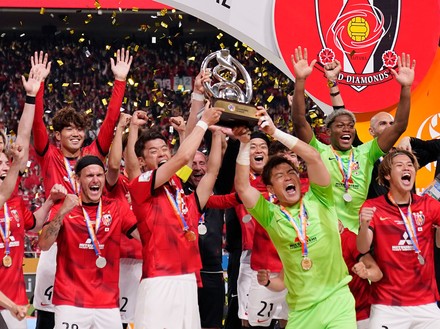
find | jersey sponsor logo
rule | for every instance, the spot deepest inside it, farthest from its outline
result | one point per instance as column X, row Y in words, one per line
column 145, row 177
column 12, row 243
column 88, row 245
column 297, row 244
column 404, row 244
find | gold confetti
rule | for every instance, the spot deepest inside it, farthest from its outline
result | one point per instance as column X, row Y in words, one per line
column 270, row 98
column 219, row 36
column 241, row 81
column 180, row 16
column 72, row 31
column 97, row 5
column 136, row 48
column 236, row 44
column 173, row 142
column 125, row 100
column 113, row 14
column 222, row 46
column 135, row 9
column 170, row 42
column 147, row 103
column 276, row 85
column 81, row 40
column 89, row 111
column 108, row 47
column 160, row 104
column 193, row 58
column 163, row 24
column 65, row 84
column 42, row 11
column 135, row 104
column 163, row 12
column 60, row 62
column 136, row 84
column 110, row 83
column 51, row 127
column 104, row 102
column 130, row 81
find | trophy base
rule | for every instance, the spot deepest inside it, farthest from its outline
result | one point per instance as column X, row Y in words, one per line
column 236, row 114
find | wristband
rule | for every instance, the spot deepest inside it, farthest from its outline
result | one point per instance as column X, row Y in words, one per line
column 30, row 99
column 202, row 124
column 288, row 140
column 197, row 97
column 335, row 94
column 244, row 154
column 268, row 283
column 331, row 83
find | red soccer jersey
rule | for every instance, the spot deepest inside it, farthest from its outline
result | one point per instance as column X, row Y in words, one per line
column 405, row 281
column 360, row 288
column 165, row 249
column 12, row 278
column 78, row 281
column 264, row 255
column 51, row 159
column 130, row 248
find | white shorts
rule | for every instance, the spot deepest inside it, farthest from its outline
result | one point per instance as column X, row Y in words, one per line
column 363, row 324
column 244, row 283
column 73, row 317
column 405, row 317
column 130, row 273
column 264, row 304
column 11, row 322
column 45, row 278
column 168, row 302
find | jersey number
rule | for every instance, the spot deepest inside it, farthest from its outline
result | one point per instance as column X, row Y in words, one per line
column 70, row 326
column 265, row 305
column 48, row 293
column 125, row 301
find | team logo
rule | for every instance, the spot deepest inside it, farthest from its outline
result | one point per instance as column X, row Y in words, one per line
column 231, row 107
column 366, row 37
column 145, row 177
column 14, row 214
column 419, row 218
column 107, row 219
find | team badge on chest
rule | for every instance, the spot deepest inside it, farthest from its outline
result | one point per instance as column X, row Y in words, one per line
column 107, row 219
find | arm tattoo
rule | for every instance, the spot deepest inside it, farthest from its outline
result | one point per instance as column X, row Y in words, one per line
column 53, row 228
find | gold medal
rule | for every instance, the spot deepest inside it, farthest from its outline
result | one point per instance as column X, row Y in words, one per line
column 306, row 263
column 7, row 261
column 190, row 236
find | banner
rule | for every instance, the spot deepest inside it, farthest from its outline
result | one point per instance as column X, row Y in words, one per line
column 84, row 4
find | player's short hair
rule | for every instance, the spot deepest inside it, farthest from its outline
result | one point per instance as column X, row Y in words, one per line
column 332, row 116
column 146, row 136
column 68, row 116
column 273, row 162
column 387, row 163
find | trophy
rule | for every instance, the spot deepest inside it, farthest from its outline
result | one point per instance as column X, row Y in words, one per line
column 225, row 93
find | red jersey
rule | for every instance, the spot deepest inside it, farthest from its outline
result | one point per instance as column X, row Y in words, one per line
column 130, row 248
column 12, row 278
column 165, row 249
column 405, row 281
column 52, row 160
column 360, row 288
column 78, row 281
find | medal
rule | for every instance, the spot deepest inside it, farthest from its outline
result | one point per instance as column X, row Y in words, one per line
column 190, row 236
column 7, row 261
column 306, row 263
column 246, row 218
column 101, row 262
column 202, row 229
column 419, row 257
column 347, row 197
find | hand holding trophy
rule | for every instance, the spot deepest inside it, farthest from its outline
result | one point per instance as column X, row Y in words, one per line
column 224, row 92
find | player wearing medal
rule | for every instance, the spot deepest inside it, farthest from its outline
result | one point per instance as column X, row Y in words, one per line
column 131, row 249
column 167, row 222
column 304, row 230
column 57, row 163
column 399, row 226
column 350, row 167
column 88, row 229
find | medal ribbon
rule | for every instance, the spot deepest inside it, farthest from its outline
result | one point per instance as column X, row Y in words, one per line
column 409, row 224
column 346, row 174
column 93, row 233
column 202, row 219
column 5, row 233
column 70, row 176
column 301, row 227
column 177, row 204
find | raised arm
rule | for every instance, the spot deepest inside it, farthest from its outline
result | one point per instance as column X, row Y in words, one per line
column 298, row 108
column 365, row 235
column 31, row 86
column 40, row 62
column 50, row 231
column 188, row 147
column 197, row 100
column 57, row 192
column 204, row 189
column 132, row 166
column 248, row 194
column 120, row 71
column 8, row 184
column 115, row 155
column 316, row 169
column 405, row 77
